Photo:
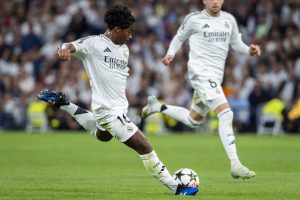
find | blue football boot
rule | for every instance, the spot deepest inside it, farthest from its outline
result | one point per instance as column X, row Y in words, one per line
column 181, row 190
column 56, row 99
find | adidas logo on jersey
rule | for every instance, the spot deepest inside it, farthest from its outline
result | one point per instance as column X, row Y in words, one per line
column 107, row 50
column 205, row 26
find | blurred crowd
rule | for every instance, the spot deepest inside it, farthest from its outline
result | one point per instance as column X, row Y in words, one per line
column 32, row 30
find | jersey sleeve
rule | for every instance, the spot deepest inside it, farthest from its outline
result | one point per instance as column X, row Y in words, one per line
column 83, row 46
column 183, row 33
column 236, row 39
column 186, row 28
column 174, row 46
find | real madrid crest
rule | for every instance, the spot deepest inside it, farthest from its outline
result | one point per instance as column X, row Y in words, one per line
column 129, row 128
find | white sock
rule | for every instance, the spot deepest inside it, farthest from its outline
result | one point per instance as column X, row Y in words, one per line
column 83, row 117
column 71, row 108
column 227, row 135
column 157, row 169
column 181, row 114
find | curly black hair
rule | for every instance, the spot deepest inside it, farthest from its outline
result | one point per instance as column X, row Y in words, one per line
column 119, row 16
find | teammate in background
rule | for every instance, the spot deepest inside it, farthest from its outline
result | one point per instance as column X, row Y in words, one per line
column 105, row 58
column 210, row 32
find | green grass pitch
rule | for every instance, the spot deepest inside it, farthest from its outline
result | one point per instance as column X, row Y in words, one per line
column 74, row 165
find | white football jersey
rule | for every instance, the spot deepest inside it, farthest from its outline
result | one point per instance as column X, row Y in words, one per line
column 209, row 40
column 106, row 66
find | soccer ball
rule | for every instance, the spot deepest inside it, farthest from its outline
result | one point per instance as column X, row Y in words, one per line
column 186, row 177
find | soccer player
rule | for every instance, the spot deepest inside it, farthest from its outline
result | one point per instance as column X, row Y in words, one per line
column 105, row 58
column 210, row 33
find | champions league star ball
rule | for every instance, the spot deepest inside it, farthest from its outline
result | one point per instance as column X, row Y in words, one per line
column 186, row 177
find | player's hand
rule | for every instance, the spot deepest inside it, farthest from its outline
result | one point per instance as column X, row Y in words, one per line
column 64, row 54
column 254, row 50
column 167, row 59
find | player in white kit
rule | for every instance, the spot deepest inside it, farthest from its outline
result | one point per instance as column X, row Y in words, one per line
column 105, row 58
column 210, row 33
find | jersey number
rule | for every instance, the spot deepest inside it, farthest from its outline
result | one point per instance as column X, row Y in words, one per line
column 124, row 119
column 212, row 83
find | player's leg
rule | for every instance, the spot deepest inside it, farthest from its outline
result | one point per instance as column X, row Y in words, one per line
column 82, row 116
column 103, row 135
column 130, row 135
column 139, row 143
column 190, row 118
column 226, row 133
column 154, row 166
column 86, row 119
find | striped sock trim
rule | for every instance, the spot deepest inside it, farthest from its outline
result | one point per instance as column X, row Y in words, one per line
column 80, row 111
column 163, row 107
column 224, row 112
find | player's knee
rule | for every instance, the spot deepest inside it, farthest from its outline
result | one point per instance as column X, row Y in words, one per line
column 193, row 123
column 139, row 143
column 103, row 136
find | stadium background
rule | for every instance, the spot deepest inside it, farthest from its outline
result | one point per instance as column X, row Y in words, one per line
column 71, row 165
column 32, row 30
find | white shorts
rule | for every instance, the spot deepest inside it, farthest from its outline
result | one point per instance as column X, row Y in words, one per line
column 121, row 127
column 209, row 98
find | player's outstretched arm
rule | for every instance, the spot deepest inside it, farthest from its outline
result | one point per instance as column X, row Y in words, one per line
column 254, row 50
column 173, row 48
column 65, row 50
